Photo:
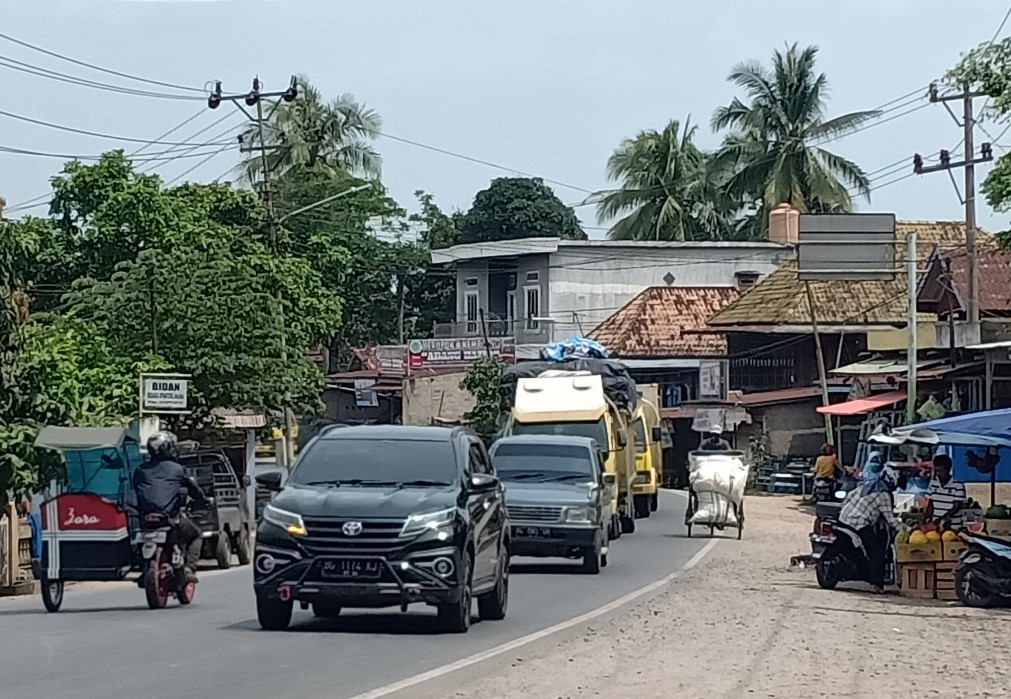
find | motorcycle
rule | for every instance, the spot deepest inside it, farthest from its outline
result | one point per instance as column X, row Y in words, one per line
column 824, row 489
column 844, row 557
column 983, row 574
column 163, row 572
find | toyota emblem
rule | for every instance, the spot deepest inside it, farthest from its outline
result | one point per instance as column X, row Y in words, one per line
column 352, row 528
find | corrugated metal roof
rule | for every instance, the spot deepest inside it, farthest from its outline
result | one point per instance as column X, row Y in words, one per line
column 779, row 299
column 654, row 323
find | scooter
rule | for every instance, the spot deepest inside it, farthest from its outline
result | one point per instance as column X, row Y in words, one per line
column 983, row 574
column 824, row 489
column 163, row 572
column 845, row 558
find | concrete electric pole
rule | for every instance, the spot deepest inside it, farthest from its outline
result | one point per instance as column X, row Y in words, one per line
column 968, row 163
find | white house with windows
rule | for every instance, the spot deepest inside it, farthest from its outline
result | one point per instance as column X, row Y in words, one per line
column 542, row 289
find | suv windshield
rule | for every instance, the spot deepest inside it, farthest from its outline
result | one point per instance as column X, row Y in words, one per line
column 594, row 430
column 541, row 463
column 366, row 462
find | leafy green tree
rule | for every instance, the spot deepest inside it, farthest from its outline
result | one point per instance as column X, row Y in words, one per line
column 483, row 380
column 773, row 148
column 314, row 133
column 987, row 68
column 518, row 207
column 430, row 291
column 669, row 189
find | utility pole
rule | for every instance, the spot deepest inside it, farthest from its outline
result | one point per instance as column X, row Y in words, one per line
column 968, row 162
column 911, row 352
column 255, row 98
column 822, row 374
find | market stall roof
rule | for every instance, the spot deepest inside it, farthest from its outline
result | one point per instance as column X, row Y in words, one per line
column 863, row 405
column 81, row 437
column 982, row 429
column 880, row 366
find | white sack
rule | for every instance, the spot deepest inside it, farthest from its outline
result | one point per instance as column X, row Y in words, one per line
column 714, row 508
column 719, row 473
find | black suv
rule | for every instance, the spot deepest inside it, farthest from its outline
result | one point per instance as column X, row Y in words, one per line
column 384, row 516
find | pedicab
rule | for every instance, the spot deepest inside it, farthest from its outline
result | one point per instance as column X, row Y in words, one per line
column 716, row 483
column 87, row 527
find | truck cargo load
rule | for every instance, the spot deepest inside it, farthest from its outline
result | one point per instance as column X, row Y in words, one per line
column 618, row 384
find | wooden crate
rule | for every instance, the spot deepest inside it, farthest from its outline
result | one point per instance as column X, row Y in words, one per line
column 918, row 580
column 918, row 553
column 951, row 550
column 944, row 581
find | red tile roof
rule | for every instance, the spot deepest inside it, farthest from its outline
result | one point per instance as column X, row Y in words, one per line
column 654, row 323
column 994, row 267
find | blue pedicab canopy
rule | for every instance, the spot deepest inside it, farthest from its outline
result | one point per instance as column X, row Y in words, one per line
column 99, row 460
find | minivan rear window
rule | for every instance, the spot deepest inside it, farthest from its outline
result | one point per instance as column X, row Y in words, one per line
column 365, row 461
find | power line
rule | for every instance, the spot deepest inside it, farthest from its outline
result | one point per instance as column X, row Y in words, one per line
column 97, row 134
column 83, row 82
column 109, row 71
column 154, row 157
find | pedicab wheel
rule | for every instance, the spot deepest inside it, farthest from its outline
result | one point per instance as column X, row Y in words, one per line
column 242, row 551
column 52, row 595
column 712, row 530
column 689, row 531
column 223, row 553
column 155, row 587
column 739, row 514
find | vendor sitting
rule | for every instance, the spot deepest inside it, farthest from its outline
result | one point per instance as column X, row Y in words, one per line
column 947, row 496
column 715, row 441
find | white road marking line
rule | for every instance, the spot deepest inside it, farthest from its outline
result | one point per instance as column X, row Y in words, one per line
column 537, row 635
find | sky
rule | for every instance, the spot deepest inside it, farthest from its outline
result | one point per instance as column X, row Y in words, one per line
column 532, row 87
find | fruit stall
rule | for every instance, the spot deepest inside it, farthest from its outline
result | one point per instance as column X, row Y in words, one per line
column 926, row 555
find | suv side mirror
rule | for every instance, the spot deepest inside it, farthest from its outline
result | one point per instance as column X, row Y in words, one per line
column 483, row 483
column 246, row 481
column 622, row 439
column 602, row 455
column 271, row 481
column 657, row 434
column 610, row 479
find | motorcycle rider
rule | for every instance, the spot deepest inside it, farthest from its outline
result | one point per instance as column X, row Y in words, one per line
column 161, row 485
column 868, row 510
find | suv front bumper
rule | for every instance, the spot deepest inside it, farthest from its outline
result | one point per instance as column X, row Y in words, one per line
column 552, row 540
column 400, row 582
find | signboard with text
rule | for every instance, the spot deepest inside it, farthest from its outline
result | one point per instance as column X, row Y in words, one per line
column 457, row 351
column 711, row 379
column 164, row 393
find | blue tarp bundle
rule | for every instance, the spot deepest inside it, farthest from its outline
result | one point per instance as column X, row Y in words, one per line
column 573, row 348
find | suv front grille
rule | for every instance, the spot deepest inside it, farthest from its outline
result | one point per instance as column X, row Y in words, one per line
column 526, row 513
column 325, row 536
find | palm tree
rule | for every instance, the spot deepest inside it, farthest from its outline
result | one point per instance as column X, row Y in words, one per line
column 669, row 189
column 314, row 133
column 775, row 147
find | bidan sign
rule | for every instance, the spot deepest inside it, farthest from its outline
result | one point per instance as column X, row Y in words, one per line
column 164, row 393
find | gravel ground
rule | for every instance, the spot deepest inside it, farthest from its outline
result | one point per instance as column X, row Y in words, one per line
column 745, row 624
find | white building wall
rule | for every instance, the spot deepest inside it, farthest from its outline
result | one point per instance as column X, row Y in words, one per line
column 592, row 281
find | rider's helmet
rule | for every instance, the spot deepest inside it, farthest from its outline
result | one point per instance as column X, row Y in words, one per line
column 163, row 445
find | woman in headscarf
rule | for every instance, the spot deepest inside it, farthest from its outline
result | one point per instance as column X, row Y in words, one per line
column 870, row 511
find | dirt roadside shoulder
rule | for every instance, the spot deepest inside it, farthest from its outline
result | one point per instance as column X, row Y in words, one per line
column 743, row 623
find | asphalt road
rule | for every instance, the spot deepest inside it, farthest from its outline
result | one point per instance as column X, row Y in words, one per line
column 106, row 643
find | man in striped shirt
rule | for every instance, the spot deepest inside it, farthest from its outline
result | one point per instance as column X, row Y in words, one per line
column 947, row 496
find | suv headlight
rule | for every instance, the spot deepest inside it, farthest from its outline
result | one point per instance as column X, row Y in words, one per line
column 577, row 514
column 416, row 524
column 288, row 521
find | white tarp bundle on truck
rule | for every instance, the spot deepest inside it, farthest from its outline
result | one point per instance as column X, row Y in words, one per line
column 719, row 481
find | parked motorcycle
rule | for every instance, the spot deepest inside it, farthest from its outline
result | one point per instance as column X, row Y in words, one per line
column 845, row 558
column 163, row 572
column 983, row 574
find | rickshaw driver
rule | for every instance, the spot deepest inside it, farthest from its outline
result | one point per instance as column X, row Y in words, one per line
column 160, row 484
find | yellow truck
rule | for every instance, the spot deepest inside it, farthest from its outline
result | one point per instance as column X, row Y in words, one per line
column 648, row 452
column 575, row 404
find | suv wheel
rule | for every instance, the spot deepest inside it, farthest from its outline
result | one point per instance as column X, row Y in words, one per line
column 273, row 615
column 455, row 616
column 491, row 606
